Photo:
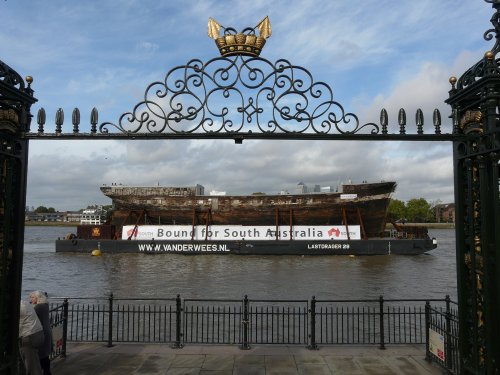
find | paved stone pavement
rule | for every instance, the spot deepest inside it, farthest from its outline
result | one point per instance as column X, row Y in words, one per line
column 147, row 359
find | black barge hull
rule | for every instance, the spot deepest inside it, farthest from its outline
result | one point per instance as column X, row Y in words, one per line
column 329, row 247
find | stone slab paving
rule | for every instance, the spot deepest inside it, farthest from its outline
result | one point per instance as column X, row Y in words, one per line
column 149, row 359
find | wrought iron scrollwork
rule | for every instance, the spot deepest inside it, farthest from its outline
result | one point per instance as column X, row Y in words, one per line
column 489, row 65
column 10, row 76
column 239, row 95
column 495, row 31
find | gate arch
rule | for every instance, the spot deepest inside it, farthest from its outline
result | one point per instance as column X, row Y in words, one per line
column 239, row 97
column 193, row 107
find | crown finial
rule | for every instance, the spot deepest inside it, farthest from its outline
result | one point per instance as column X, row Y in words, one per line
column 244, row 43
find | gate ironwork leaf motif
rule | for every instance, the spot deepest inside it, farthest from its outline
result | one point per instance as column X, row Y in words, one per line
column 239, row 93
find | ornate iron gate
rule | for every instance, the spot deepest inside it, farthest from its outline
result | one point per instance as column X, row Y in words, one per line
column 15, row 101
column 475, row 100
column 243, row 96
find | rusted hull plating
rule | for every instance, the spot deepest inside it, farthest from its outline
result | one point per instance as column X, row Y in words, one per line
column 361, row 204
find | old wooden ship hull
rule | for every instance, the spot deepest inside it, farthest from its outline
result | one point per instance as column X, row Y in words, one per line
column 362, row 205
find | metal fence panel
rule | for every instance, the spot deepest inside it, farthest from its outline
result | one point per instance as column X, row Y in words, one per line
column 144, row 322
column 338, row 323
column 279, row 322
column 212, row 321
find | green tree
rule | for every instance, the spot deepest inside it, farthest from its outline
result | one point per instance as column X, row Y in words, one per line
column 41, row 209
column 419, row 211
column 51, row 210
column 397, row 210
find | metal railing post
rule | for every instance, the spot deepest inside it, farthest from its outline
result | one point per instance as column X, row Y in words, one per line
column 65, row 327
column 110, row 321
column 381, row 322
column 312, row 335
column 427, row 326
column 245, row 323
column 447, row 340
column 178, row 323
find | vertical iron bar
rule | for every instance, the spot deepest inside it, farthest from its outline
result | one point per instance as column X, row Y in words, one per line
column 93, row 319
column 342, row 324
column 381, row 322
column 312, row 344
column 133, row 322
column 178, row 323
column 447, row 340
column 149, row 325
column 337, row 323
column 244, row 325
column 110, row 321
column 427, row 326
column 65, row 328
column 347, row 325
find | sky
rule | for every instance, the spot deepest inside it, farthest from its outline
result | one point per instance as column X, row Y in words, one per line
column 374, row 54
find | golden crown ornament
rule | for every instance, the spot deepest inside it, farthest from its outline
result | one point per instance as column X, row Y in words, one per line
column 244, row 43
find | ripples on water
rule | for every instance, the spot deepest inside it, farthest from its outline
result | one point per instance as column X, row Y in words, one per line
column 431, row 275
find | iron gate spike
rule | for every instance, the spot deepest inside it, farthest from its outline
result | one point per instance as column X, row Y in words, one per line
column 402, row 121
column 436, row 117
column 94, row 116
column 75, row 119
column 419, row 119
column 383, row 120
column 40, row 119
column 59, row 120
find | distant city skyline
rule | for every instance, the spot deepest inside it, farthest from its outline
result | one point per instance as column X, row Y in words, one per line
column 374, row 55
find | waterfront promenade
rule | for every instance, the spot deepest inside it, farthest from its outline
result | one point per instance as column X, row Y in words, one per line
column 148, row 359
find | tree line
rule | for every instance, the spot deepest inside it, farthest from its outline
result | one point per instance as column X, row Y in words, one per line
column 416, row 210
column 43, row 209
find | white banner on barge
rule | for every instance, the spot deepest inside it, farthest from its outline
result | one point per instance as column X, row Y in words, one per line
column 239, row 232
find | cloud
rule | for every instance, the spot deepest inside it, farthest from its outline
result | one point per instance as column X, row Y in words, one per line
column 382, row 54
column 146, row 47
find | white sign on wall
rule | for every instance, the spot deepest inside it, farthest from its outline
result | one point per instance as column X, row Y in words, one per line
column 239, row 232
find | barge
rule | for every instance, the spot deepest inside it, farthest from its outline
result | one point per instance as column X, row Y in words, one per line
column 154, row 220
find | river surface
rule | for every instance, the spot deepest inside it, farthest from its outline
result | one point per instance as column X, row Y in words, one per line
column 431, row 275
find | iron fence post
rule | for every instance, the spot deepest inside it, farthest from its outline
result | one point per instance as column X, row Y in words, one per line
column 178, row 323
column 427, row 326
column 245, row 325
column 447, row 341
column 110, row 321
column 312, row 335
column 381, row 322
column 65, row 327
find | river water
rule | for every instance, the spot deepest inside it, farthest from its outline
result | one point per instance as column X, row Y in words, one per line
column 431, row 275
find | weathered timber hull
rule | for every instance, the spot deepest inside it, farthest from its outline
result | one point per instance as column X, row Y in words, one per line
column 152, row 205
column 330, row 247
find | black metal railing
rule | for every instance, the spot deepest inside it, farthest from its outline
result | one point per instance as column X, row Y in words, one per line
column 442, row 336
column 246, row 322
column 212, row 321
column 112, row 320
column 278, row 322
